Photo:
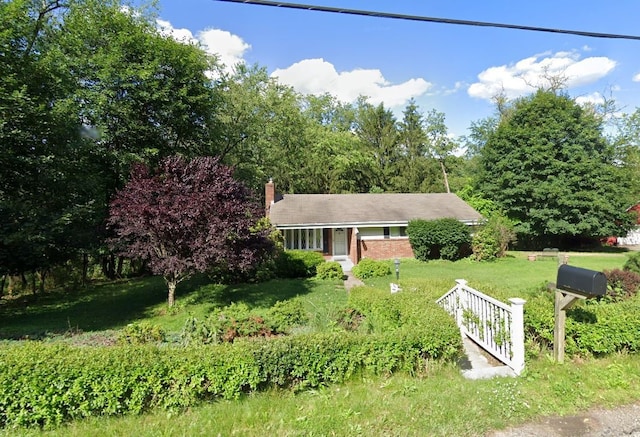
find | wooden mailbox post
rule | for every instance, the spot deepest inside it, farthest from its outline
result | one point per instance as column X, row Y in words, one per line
column 573, row 283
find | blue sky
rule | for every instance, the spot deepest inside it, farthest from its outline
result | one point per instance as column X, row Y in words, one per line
column 451, row 68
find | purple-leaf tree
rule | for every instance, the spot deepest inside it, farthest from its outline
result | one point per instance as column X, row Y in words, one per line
column 187, row 217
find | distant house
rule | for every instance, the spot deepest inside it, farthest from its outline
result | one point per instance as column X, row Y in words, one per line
column 356, row 226
column 633, row 236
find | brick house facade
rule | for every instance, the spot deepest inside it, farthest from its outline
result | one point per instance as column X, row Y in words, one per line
column 356, row 226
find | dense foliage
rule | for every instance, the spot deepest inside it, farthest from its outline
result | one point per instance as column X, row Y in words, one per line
column 330, row 270
column 439, row 239
column 633, row 262
column 188, row 217
column 297, row 263
column 46, row 384
column 86, row 87
column 595, row 328
column 550, row 168
column 225, row 325
column 492, row 240
column 621, row 284
column 371, row 268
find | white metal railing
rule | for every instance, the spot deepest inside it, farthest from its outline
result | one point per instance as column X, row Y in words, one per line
column 495, row 326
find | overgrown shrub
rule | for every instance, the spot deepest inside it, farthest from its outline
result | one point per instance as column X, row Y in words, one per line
column 633, row 263
column 621, row 284
column 141, row 333
column 284, row 315
column 592, row 328
column 493, row 239
column 371, row 268
column 45, row 384
column 445, row 238
column 297, row 263
column 238, row 321
column 389, row 313
column 330, row 270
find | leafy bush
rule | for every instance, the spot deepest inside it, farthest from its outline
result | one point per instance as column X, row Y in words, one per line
column 493, row 239
column 621, row 284
column 141, row 333
column 330, row 270
column 284, row 315
column 297, row 263
column 633, row 263
column 396, row 314
column 593, row 328
column 238, row 321
column 370, row 268
column 445, row 238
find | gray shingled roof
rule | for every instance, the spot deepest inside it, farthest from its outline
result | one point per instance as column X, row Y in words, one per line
column 361, row 209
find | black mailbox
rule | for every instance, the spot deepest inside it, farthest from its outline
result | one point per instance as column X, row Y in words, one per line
column 582, row 282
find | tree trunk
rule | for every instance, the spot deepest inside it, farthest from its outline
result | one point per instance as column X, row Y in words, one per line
column 444, row 175
column 119, row 268
column 85, row 268
column 43, row 275
column 171, row 284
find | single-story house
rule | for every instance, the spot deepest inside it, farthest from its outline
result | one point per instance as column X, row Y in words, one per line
column 356, row 226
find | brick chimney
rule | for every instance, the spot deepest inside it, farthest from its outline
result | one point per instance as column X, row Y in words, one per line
column 269, row 195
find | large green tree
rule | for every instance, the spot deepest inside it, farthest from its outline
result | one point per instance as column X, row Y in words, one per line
column 549, row 167
column 47, row 169
column 86, row 88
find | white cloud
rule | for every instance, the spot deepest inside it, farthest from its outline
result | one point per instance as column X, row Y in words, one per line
column 227, row 47
column 636, row 78
column 317, row 76
column 592, row 99
column 526, row 75
column 182, row 35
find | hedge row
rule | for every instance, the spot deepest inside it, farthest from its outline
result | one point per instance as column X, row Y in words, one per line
column 412, row 309
column 592, row 328
column 43, row 384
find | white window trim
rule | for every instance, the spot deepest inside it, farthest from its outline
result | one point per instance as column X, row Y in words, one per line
column 313, row 239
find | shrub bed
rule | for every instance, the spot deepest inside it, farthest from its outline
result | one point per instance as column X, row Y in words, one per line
column 43, row 384
column 592, row 328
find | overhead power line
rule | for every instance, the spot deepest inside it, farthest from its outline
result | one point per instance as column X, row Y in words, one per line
column 431, row 19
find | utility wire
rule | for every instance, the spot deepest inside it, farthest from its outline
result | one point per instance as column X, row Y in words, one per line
column 430, row 19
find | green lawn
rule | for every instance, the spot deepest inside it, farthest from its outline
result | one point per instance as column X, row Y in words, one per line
column 511, row 275
column 107, row 307
column 438, row 401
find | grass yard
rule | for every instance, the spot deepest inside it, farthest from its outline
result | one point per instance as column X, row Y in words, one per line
column 513, row 275
column 437, row 401
column 109, row 307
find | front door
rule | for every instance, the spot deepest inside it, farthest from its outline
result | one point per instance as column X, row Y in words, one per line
column 339, row 242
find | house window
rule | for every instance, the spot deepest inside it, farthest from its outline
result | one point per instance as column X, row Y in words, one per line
column 303, row 239
column 386, row 232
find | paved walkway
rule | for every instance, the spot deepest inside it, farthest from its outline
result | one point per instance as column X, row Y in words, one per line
column 351, row 281
column 620, row 421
